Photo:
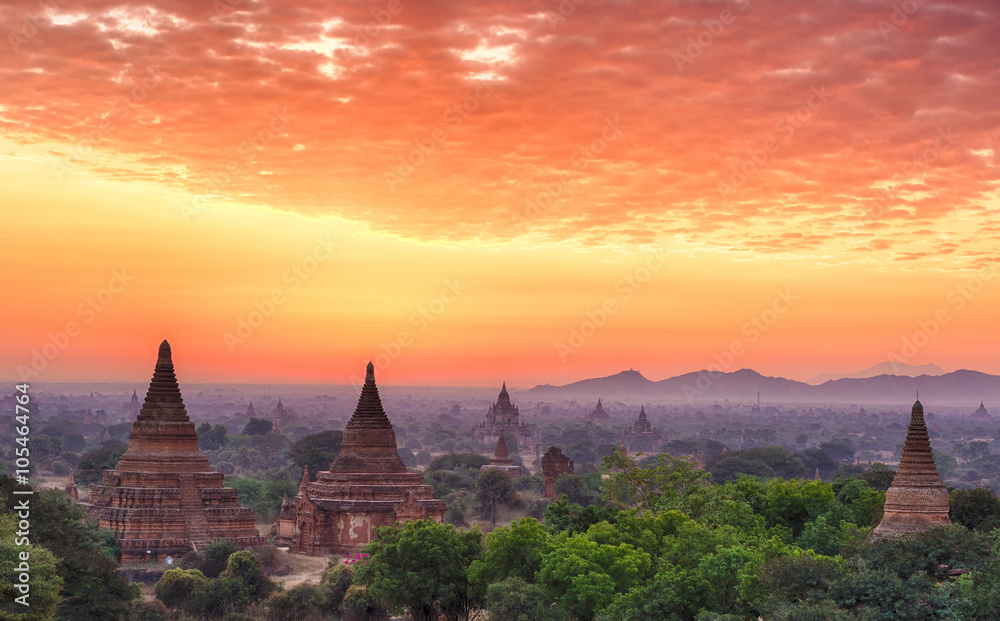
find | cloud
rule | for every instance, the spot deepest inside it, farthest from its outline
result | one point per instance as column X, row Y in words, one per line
column 372, row 91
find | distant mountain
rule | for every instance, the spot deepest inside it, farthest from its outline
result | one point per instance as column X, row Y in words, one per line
column 627, row 382
column 884, row 368
column 703, row 386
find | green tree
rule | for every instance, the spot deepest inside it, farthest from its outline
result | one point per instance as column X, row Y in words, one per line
column 211, row 438
column 516, row 600
column 879, row 476
column 673, row 594
column 361, row 605
column 577, row 489
column 93, row 590
column 257, row 427
column 93, row 464
column 216, row 558
column 458, row 461
column 336, row 581
column 664, row 484
column 976, row 509
column 244, row 567
column 513, row 551
column 863, row 502
column 317, row 451
column 796, row 582
column 822, row 535
column 560, row 516
column 44, row 580
column 423, row 568
column 978, row 594
column 795, row 502
column 302, row 602
column 724, row 570
column 494, row 489
column 585, row 576
column 183, row 589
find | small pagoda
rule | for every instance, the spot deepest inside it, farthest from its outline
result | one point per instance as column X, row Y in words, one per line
column 367, row 486
column 501, row 460
column 599, row 413
column 917, row 500
column 642, row 433
column 162, row 498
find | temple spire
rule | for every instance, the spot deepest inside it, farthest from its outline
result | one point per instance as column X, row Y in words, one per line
column 71, row 487
column 369, row 443
column 163, row 399
column 917, row 499
column 163, row 438
column 501, row 452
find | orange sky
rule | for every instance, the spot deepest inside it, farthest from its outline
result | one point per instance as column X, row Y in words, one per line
column 460, row 190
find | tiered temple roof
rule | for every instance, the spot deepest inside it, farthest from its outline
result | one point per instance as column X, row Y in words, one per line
column 503, row 417
column 643, row 431
column 917, row 499
column 162, row 498
column 367, row 486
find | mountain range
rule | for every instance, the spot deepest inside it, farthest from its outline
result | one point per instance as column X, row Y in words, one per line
column 884, row 368
column 961, row 387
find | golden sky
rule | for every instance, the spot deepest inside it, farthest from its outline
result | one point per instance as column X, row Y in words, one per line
column 471, row 192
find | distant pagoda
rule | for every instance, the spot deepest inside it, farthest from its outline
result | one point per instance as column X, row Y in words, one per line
column 162, row 498
column 642, row 433
column 251, row 413
column 982, row 413
column 503, row 417
column 917, row 500
column 367, row 486
column 501, row 460
column 130, row 411
column 599, row 413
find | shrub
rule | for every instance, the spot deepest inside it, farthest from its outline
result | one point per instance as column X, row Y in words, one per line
column 216, row 556
column 244, row 567
column 182, row 588
column 304, row 602
column 359, row 605
column 336, row 583
column 141, row 610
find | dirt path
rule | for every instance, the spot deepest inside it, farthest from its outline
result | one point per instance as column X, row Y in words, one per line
column 304, row 569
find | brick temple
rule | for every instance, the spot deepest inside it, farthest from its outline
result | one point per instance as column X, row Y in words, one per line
column 554, row 463
column 367, row 486
column 162, row 498
column 917, row 500
column 642, row 435
column 503, row 417
column 599, row 413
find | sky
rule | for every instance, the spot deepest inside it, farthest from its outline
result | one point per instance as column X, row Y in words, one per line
column 473, row 192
